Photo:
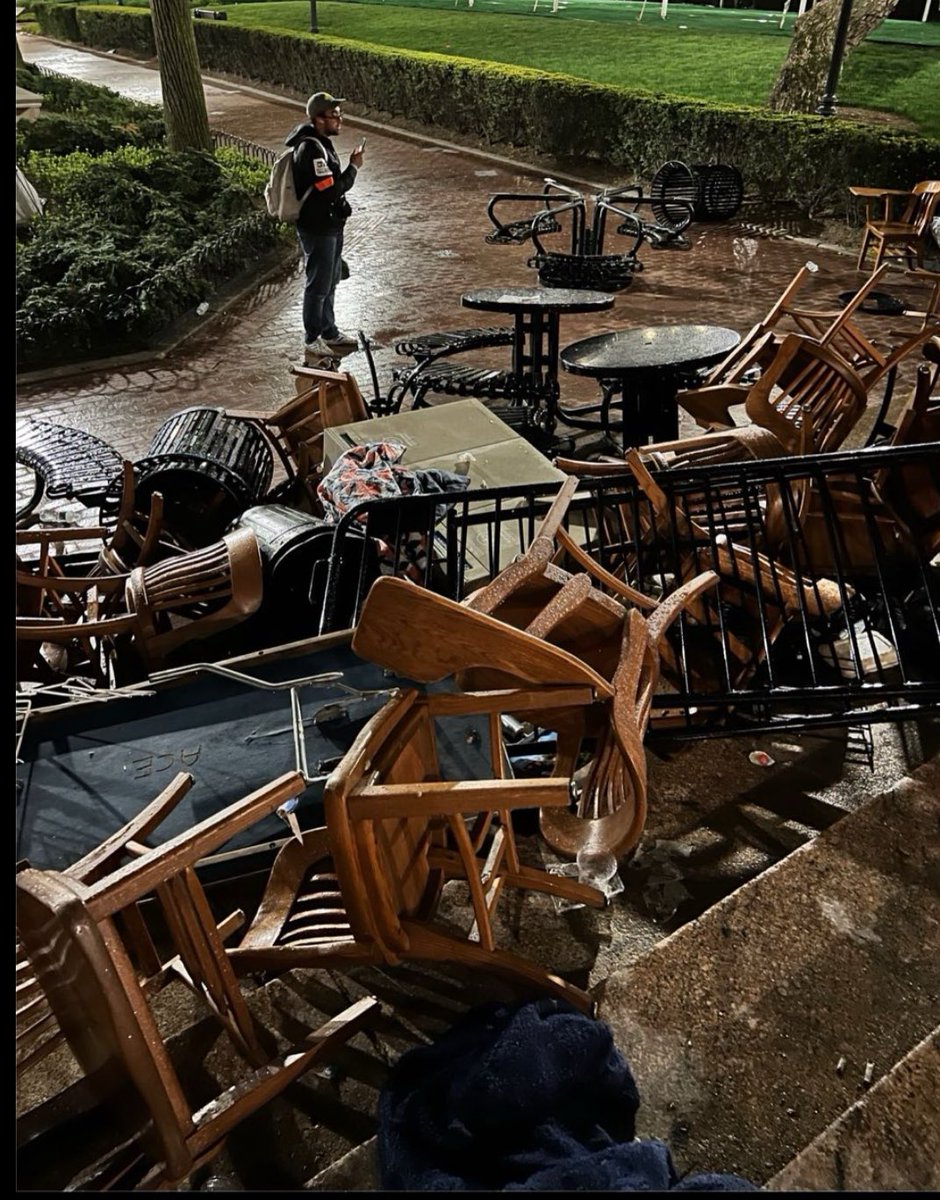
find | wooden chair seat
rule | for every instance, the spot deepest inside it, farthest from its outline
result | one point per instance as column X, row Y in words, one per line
column 323, row 399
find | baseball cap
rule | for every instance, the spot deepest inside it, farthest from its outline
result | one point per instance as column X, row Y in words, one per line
column 321, row 102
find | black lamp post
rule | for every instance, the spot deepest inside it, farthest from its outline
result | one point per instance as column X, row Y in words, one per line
column 314, row 28
column 827, row 105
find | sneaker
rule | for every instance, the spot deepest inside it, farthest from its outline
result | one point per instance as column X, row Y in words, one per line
column 342, row 341
column 317, row 350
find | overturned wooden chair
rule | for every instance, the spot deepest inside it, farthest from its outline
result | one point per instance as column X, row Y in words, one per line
column 806, row 401
column 37, row 1031
column 867, row 519
column 365, row 888
column 877, row 365
column 428, row 637
column 90, row 975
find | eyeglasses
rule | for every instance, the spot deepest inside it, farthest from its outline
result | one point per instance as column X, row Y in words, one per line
column 332, row 114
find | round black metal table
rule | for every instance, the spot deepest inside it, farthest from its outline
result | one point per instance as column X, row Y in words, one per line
column 536, row 313
column 646, row 366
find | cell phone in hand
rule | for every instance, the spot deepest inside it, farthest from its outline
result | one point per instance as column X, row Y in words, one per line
column 362, row 144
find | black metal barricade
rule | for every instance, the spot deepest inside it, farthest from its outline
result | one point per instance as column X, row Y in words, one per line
column 826, row 614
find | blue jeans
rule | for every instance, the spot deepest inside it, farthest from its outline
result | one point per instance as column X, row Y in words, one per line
column 322, row 261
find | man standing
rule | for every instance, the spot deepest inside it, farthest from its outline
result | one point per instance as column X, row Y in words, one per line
column 323, row 215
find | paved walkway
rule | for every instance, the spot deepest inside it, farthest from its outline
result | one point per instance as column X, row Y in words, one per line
column 414, row 244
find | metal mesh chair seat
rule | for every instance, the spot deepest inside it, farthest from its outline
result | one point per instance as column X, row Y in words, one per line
column 596, row 272
column 484, row 383
column 431, row 345
column 71, row 462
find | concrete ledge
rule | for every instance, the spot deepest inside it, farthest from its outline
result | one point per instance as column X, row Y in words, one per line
column 749, row 1030
column 887, row 1141
column 356, row 1171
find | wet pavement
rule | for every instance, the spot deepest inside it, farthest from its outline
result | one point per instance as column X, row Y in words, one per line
column 414, row 244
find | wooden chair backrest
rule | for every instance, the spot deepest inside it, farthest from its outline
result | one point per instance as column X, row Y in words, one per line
column 425, row 637
column 324, row 399
column 923, row 203
column 196, row 594
column 382, row 865
column 753, row 347
column 842, row 333
column 808, row 397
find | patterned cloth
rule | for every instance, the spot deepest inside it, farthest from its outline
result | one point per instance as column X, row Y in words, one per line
column 370, row 472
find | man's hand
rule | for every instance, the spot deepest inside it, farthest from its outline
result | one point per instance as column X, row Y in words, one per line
column 356, row 157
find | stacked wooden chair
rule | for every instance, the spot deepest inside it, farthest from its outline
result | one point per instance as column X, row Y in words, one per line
column 96, row 957
column 836, row 330
column 116, row 628
column 538, row 623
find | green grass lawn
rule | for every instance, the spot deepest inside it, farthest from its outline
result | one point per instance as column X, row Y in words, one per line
column 729, row 55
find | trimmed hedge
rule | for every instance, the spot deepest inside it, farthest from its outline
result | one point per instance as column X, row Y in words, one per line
column 132, row 235
column 807, row 160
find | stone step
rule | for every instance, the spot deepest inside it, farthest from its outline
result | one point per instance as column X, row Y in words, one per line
column 749, row 1029
column 886, row 1141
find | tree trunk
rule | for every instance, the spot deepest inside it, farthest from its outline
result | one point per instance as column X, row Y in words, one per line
column 184, row 102
column 802, row 80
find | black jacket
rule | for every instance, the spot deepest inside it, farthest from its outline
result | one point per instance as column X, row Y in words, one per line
column 326, row 208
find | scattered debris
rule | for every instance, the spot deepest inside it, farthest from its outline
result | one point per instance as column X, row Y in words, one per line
column 760, row 758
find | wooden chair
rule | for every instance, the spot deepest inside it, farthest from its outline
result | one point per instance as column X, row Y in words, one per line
column 165, row 606
column 806, row 401
column 729, row 630
column 589, row 620
column 49, row 584
column 864, row 522
column 837, row 330
column 37, row 1030
column 365, row 888
column 898, row 219
column 195, row 595
column 323, row 399
column 50, row 649
column 137, row 539
column 754, row 349
column 87, row 972
column 427, row 637
column 424, row 637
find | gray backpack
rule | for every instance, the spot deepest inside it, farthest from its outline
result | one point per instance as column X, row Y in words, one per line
column 280, row 195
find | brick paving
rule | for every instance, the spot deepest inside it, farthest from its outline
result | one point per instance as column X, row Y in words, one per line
column 414, row 244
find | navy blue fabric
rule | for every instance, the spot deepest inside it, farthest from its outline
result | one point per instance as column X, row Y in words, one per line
column 529, row 1097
